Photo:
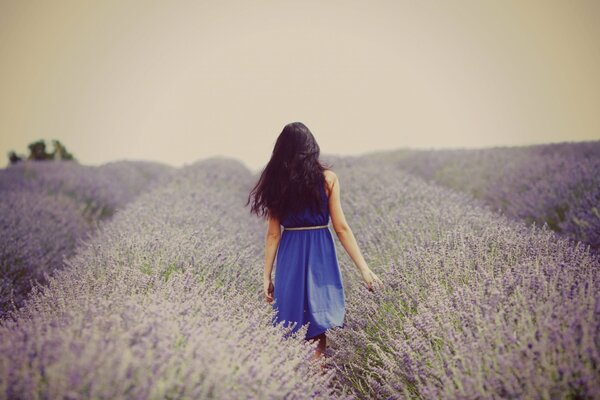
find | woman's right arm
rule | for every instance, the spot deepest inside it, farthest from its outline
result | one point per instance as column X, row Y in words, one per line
column 345, row 234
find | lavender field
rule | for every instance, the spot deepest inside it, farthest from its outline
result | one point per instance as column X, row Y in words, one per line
column 165, row 299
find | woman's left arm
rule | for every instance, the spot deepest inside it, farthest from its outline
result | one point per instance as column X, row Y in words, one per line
column 271, row 243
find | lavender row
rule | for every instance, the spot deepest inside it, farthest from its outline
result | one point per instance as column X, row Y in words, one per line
column 37, row 232
column 101, row 190
column 47, row 207
column 557, row 184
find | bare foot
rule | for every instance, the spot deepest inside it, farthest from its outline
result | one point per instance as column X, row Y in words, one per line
column 320, row 359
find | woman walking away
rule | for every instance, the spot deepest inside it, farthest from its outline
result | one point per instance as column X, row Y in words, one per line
column 297, row 191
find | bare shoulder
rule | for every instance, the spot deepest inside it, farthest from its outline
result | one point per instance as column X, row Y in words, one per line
column 330, row 178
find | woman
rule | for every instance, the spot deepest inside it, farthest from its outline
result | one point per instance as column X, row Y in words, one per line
column 295, row 190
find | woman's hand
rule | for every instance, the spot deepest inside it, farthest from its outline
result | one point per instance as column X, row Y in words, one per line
column 268, row 290
column 370, row 278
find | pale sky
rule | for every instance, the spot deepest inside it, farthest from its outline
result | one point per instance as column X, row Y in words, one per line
column 179, row 81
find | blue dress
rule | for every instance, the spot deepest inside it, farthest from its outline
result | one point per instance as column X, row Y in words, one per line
column 308, row 284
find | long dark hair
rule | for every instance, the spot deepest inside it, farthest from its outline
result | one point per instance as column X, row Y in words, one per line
column 293, row 179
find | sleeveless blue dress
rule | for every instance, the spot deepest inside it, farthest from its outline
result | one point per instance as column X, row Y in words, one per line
column 308, row 284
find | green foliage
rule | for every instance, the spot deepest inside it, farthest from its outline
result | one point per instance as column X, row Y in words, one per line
column 37, row 152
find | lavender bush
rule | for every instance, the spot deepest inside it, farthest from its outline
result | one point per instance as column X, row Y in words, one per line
column 37, row 231
column 557, row 184
column 48, row 206
column 101, row 190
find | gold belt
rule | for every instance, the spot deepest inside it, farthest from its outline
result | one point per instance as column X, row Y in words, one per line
column 304, row 227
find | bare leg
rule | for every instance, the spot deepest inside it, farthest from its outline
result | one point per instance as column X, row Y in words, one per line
column 320, row 350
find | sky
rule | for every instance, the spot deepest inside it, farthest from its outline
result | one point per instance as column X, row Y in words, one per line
column 180, row 81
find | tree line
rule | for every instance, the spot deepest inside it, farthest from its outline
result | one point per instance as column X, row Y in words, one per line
column 37, row 151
